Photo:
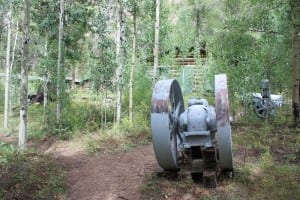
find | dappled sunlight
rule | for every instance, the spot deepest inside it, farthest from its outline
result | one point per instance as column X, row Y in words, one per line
column 65, row 148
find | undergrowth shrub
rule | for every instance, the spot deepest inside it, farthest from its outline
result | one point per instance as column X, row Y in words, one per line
column 141, row 121
column 8, row 153
column 28, row 175
column 78, row 117
column 271, row 165
column 124, row 135
column 142, row 92
column 277, row 181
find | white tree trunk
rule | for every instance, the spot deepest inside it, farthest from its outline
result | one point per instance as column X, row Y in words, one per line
column 59, row 60
column 156, row 42
column 45, row 90
column 7, row 64
column 11, row 67
column 120, row 58
column 24, row 77
column 132, row 66
column 73, row 76
column 46, row 80
column 110, row 14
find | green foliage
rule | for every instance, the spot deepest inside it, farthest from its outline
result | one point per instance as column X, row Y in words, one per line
column 29, row 175
column 252, row 44
column 8, row 152
column 267, row 159
column 45, row 24
column 103, row 65
column 77, row 117
column 103, row 68
column 243, row 174
column 279, row 182
column 77, row 15
column 182, row 35
column 115, row 139
column 142, row 92
column 85, row 116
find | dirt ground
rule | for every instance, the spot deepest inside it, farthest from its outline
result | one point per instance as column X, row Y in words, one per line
column 106, row 177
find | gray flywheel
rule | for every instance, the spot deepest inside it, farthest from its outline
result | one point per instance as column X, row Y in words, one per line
column 167, row 105
column 264, row 108
column 223, row 124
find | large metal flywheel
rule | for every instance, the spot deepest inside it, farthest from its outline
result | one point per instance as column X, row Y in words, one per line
column 223, row 136
column 167, row 105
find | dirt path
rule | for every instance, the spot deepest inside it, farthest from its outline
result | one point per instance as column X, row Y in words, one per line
column 105, row 177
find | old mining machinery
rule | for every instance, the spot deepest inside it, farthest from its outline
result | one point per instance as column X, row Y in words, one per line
column 197, row 139
column 265, row 103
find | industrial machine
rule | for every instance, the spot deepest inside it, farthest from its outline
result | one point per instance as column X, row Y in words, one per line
column 265, row 103
column 197, row 139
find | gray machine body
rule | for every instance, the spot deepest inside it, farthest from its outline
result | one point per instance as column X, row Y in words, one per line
column 198, row 124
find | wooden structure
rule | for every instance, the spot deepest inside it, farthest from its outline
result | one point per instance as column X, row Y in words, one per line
column 198, row 65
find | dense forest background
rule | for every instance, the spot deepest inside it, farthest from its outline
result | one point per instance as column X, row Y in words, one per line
column 86, row 68
column 109, row 46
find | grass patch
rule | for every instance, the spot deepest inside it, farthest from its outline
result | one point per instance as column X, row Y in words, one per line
column 29, row 175
column 106, row 142
column 267, row 159
column 119, row 137
column 161, row 185
column 278, row 182
column 166, row 186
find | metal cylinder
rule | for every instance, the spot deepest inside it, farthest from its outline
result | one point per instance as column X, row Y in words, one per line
column 265, row 88
column 265, row 84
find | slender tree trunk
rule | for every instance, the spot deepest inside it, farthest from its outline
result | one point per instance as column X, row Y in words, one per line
column 110, row 14
column 105, row 108
column 24, row 77
column 100, row 102
column 118, row 73
column 46, row 81
column 295, row 8
column 197, row 31
column 295, row 71
column 133, row 63
column 7, row 63
column 120, row 58
column 59, row 63
column 156, row 42
column 11, row 67
column 73, row 76
column 45, row 91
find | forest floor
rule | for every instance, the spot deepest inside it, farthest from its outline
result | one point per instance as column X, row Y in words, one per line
column 266, row 166
column 105, row 176
column 131, row 175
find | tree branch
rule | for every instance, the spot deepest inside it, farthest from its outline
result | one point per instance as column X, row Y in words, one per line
column 265, row 31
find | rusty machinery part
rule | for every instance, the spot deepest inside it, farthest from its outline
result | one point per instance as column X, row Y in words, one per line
column 264, row 108
column 223, row 136
column 167, row 105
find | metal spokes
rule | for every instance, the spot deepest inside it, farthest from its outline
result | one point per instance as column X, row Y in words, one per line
column 167, row 105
